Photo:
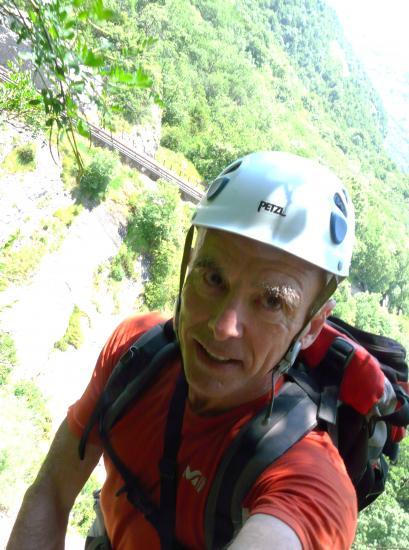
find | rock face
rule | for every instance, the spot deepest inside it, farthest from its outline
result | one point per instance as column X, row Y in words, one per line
column 145, row 138
column 8, row 47
column 26, row 198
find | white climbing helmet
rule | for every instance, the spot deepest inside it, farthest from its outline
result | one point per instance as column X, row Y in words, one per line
column 286, row 201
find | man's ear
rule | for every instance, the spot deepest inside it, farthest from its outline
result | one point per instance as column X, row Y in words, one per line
column 313, row 328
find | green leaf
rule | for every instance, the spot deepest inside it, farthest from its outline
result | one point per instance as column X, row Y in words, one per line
column 35, row 102
column 69, row 35
column 92, row 60
column 119, row 75
column 142, row 79
column 83, row 128
column 159, row 101
column 106, row 15
column 70, row 24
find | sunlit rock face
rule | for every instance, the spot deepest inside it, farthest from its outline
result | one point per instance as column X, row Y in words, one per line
column 144, row 137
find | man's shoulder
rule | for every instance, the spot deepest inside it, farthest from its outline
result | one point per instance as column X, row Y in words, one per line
column 132, row 328
column 309, row 489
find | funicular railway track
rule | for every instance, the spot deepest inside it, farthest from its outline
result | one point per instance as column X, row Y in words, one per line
column 141, row 162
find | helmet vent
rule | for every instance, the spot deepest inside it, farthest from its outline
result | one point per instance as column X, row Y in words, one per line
column 216, row 187
column 338, row 228
column 340, row 204
column 231, row 168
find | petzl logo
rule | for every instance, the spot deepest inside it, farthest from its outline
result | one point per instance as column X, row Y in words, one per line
column 195, row 477
column 273, row 208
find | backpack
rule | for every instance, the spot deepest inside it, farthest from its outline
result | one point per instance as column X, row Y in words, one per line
column 351, row 383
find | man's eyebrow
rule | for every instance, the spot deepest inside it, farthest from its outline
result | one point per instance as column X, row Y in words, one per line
column 206, row 261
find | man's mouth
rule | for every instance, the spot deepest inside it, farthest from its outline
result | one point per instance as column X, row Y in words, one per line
column 205, row 353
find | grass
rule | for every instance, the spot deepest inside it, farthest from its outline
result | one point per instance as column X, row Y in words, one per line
column 8, row 356
column 20, row 159
column 35, row 402
column 73, row 335
column 24, row 439
column 180, row 165
column 66, row 215
column 22, row 254
column 82, row 514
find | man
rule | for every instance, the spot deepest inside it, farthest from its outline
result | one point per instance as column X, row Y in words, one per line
column 274, row 238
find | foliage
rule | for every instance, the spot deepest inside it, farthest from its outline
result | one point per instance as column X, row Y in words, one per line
column 20, row 159
column 8, row 356
column 242, row 76
column 156, row 230
column 34, row 400
column 22, row 254
column 71, row 67
column 346, row 305
column 122, row 265
column 67, row 215
column 26, row 154
column 385, row 523
column 22, row 446
column 18, row 100
column 73, row 335
column 97, row 175
column 180, row 165
column 82, row 514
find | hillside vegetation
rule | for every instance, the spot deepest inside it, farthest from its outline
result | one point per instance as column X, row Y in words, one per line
column 234, row 77
column 251, row 75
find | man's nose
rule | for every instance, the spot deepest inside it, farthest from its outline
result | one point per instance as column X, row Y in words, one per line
column 227, row 322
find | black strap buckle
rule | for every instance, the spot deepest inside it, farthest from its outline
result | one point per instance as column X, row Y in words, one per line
column 145, row 506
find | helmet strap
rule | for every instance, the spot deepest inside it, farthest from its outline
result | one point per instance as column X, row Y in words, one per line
column 183, row 268
column 291, row 354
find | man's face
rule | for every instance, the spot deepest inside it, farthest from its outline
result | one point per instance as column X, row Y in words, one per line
column 242, row 304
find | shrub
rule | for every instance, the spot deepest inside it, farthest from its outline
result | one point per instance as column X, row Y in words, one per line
column 8, row 356
column 73, row 335
column 34, row 399
column 82, row 515
column 157, row 231
column 20, row 159
column 122, row 265
column 25, row 154
column 66, row 215
column 97, row 174
column 21, row 255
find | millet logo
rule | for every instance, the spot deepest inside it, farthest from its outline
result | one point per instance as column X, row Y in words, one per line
column 273, row 208
column 195, row 477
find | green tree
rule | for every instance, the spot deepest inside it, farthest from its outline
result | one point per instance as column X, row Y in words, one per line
column 71, row 67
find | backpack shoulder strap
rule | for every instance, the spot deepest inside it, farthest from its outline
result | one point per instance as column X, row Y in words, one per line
column 258, row 444
column 130, row 376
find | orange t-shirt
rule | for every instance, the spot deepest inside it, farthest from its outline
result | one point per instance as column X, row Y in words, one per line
column 308, row 488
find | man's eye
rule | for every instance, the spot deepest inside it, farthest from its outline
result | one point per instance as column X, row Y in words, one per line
column 272, row 302
column 213, row 278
